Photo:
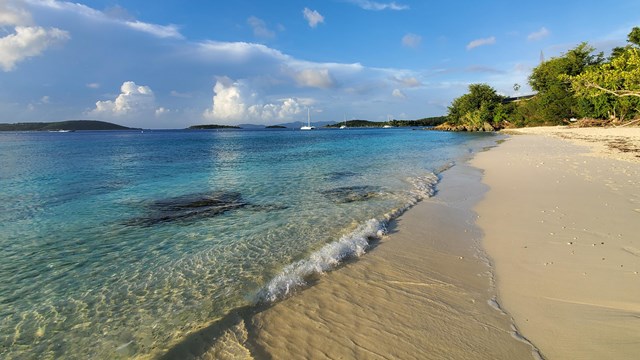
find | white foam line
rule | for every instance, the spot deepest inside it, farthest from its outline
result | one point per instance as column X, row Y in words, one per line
column 355, row 244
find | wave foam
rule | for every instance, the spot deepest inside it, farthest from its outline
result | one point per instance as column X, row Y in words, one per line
column 328, row 257
column 355, row 244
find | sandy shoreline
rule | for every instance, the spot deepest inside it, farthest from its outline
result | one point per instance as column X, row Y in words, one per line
column 557, row 212
column 562, row 224
column 423, row 292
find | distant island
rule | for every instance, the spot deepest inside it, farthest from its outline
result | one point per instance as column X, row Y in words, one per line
column 430, row 121
column 69, row 125
column 275, row 127
column 212, row 126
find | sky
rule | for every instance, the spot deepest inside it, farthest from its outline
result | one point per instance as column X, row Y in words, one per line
column 176, row 63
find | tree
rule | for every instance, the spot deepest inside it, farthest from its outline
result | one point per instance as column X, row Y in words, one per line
column 634, row 36
column 614, row 86
column 555, row 101
column 476, row 107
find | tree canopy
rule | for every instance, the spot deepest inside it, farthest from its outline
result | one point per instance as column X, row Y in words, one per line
column 481, row 105
column 612, row 88
column 577, row 84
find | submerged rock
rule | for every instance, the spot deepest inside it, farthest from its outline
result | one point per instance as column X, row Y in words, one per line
column 190, row 207
column 349, row 194
column 339, row 175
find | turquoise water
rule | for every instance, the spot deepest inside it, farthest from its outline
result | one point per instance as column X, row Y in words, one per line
column 117, row 244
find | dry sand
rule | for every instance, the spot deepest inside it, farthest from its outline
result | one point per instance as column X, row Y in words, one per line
column 562, row 225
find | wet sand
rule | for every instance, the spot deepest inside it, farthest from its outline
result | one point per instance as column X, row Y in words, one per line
column 424, row 292
column 562, row 225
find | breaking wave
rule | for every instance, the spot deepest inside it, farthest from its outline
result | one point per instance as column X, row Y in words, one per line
column 355, row 244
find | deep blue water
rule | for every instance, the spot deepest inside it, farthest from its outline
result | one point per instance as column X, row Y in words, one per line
column 117, row 244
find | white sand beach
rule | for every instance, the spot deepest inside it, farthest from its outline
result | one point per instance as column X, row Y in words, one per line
column 561, row 223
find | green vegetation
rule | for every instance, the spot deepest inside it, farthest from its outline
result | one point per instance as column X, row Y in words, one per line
column 63, row 125
column 212, row 126
column 430, row 121
column 481, row 109
column 275, row 127
column 578, row 84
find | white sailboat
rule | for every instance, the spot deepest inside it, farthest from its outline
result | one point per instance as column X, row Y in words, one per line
column 345, row 123
column 308, row 127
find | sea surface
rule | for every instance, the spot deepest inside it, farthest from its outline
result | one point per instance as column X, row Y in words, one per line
column 118, row 244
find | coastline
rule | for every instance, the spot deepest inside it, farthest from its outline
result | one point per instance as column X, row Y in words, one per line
column 559, row 278
column 561, row 224
column 423, row 292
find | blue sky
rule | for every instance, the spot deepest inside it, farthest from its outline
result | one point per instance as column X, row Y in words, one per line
column 171, row 64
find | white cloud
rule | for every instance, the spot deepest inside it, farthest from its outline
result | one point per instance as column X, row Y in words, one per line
column 539, row 35
column 398, row 94
column 234, row 101
column 411, row 40
column 408, row 81
column 317, row 78
column 481, row 42
column 45, row 99
column 11, row 14
column 373, row 5
column 26, row 42
column 313, row 17
column 133, row 100
column 161, row 31
column 93, row 85
column 260, row 28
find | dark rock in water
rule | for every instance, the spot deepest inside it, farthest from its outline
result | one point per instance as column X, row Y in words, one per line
column 190, row 207
column 339, row 175
column 349, row 194
column 268, row 207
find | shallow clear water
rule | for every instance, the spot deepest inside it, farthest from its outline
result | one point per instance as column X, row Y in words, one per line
column 114, row 244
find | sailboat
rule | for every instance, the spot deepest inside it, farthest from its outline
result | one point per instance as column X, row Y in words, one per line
column 308, row 127
column 345, row 123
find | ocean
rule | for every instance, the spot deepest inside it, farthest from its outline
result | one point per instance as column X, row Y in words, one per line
column 118, row 244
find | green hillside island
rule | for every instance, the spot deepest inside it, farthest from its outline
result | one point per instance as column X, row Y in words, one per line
column 212, row 127
column 430, row 121
column 70, row 125
column 275, row 127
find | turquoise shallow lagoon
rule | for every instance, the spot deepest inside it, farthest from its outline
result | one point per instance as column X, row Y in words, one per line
column 117, row 244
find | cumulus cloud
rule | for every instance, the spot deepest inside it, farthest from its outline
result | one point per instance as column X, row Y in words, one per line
column 234, row 101
column 313, row 17
column 411, row 40
column 317, row 78
column 481, row 42
column 539, row 35
column 26, row 42
column 260, row 28
column 376, row 6
column 133, row 100
column 398, row 94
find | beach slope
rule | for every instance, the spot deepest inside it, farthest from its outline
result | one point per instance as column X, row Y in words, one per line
column 424, row 292
column 561, row 223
